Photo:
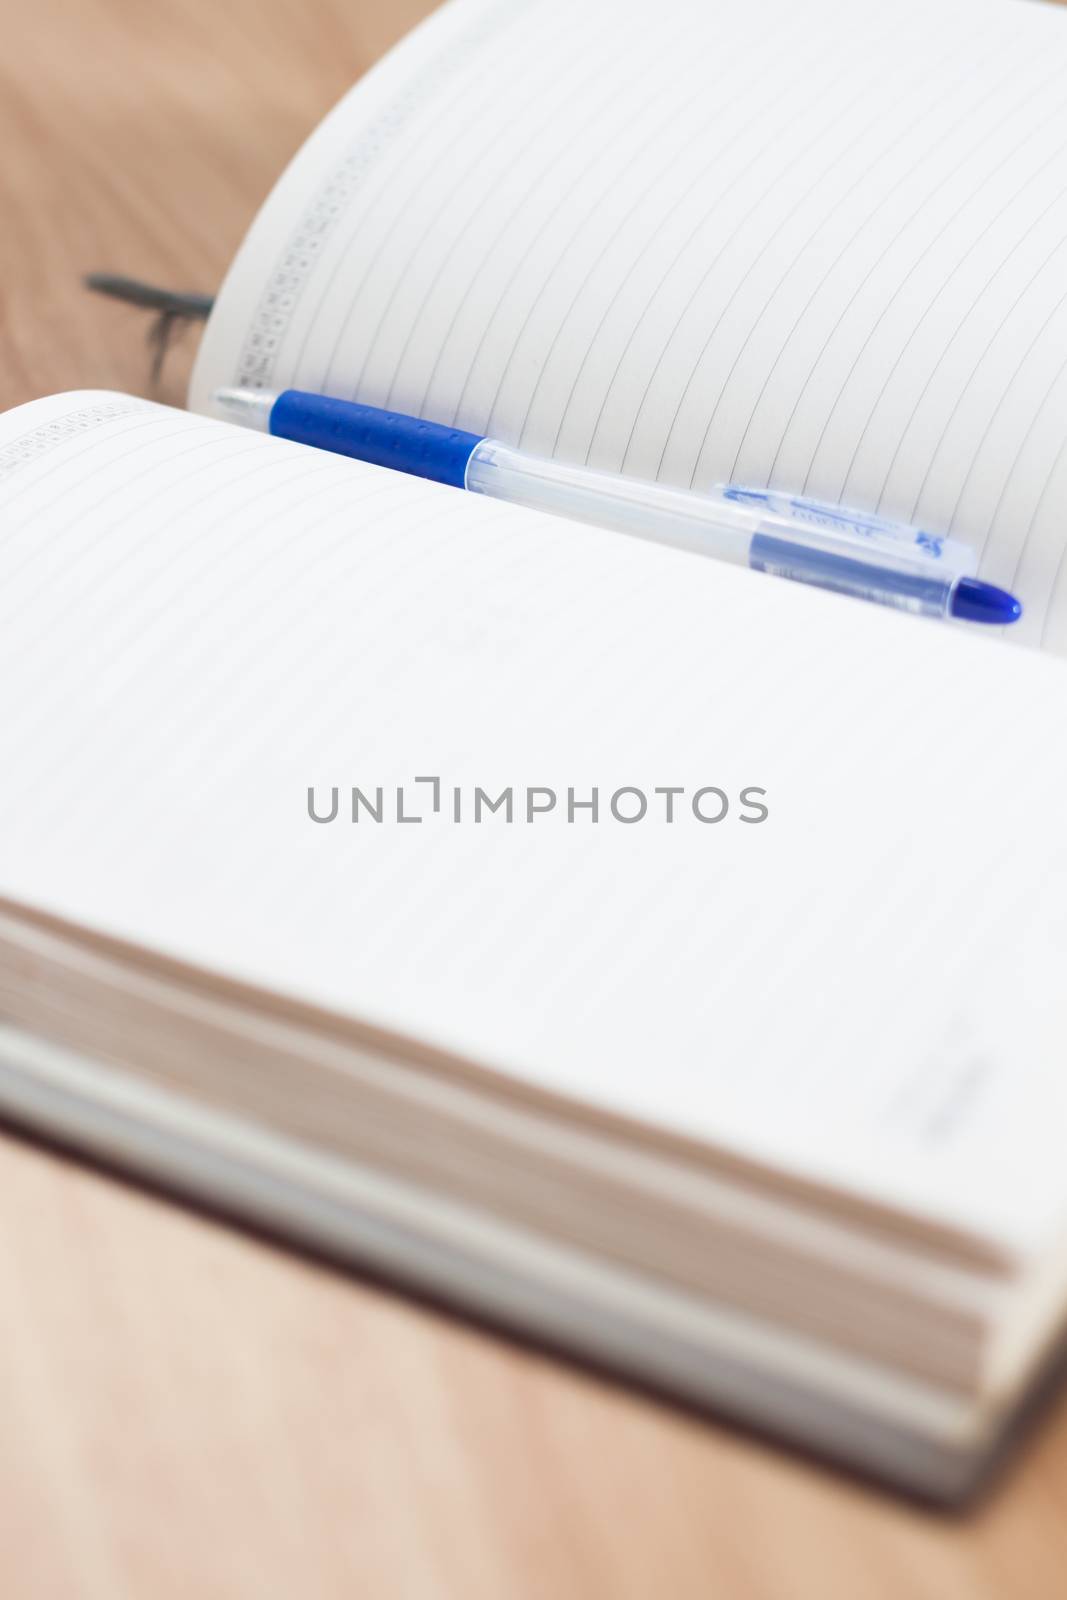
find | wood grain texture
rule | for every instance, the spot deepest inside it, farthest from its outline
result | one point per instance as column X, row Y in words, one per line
column 185, row 1411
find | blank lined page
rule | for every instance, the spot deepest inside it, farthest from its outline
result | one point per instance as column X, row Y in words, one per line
column 821, row 246
column 200, row 624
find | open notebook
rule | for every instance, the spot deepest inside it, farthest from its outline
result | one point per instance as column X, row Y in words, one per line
column 654, row 956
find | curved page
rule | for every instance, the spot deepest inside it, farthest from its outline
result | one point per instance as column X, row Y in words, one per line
column 819, row 246
column 752, row 865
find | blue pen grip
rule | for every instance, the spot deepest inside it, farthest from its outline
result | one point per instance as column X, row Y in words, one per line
column 384, row 438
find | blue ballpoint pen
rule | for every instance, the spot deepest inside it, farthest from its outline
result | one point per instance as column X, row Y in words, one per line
column 849, row 552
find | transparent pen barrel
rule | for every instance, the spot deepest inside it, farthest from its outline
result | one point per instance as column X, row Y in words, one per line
column 627, row 505
column 902, row 582
column 891, row 573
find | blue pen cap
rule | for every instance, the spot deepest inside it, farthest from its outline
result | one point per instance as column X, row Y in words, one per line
column 384, row 438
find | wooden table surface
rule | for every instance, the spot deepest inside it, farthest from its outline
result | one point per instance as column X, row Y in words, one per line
column 185, row 1411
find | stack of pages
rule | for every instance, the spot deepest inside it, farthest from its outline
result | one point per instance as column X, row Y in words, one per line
column 649, row 955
